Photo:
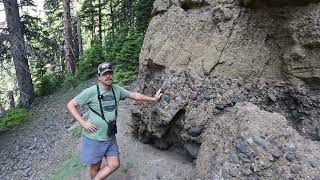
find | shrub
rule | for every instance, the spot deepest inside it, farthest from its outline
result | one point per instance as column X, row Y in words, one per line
column 87, row 66
column 69, row 81
column 12, row 118
column 47, row 84
column 124, row 76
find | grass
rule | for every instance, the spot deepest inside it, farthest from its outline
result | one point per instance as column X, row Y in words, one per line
column 77, row 132
column 70, row 168
column 13, row 117
column 126, row 167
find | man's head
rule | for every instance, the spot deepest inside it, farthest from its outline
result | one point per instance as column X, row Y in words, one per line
column 105, row 73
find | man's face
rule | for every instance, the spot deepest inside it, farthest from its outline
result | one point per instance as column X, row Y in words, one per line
column 106, row 78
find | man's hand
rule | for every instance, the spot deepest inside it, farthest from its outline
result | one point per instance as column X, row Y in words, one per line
column 158, row 95
column 89, row 126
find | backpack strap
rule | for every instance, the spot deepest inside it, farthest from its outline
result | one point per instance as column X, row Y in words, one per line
column 115, row 101
column 100, row 104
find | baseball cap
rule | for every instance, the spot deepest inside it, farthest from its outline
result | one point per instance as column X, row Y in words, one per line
column 105, row 67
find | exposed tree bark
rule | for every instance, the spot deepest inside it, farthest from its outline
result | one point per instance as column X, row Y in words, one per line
column 18, row 52
column 2, row 111
column 80, row 46
column 130, row 11
column 75, row 43
column 78, row 29
column 69, row 53
column 11, row 99
column 100, row 23
column 112, row 19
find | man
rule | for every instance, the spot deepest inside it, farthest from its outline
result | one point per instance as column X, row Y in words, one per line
column 99, row 138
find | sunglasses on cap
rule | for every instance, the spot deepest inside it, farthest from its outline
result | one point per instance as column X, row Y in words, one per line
column 104, row 67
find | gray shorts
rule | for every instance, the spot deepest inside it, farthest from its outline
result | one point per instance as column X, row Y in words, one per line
column 92, row 151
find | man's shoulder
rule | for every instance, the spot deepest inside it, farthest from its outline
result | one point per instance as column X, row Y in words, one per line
column 117, row 87
column 91, row 90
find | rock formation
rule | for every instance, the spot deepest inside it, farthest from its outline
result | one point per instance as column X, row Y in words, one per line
column 240, row 82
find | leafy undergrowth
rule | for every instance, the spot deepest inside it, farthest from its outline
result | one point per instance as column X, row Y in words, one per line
column 12, row 118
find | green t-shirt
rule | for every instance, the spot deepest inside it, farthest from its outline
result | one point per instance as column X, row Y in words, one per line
column 89, row 97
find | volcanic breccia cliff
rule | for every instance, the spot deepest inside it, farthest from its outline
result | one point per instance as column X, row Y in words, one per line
column 240, row 81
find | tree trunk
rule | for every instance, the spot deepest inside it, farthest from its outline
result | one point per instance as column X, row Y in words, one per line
column 112, row 20
column 79, row 36
column 75, row 43
column 130, row 10
column 2, row 111
column 69, row 54
column 11, row 99
column 18, row 52
column 78, row 29
column 100, row 23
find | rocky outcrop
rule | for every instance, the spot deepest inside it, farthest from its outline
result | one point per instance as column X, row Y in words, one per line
column 210, row 57
column 250, row 38
column 192, row 105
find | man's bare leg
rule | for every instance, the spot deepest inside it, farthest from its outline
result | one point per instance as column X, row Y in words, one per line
column 113, row 163
column 94, row 169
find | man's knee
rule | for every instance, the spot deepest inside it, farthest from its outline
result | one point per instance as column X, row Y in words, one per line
column 114, row 165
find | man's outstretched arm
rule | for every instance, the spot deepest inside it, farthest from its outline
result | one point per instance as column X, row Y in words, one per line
column 141, row 97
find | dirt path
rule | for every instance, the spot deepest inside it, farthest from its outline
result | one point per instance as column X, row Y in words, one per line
column 39, row 147
column 144, row 162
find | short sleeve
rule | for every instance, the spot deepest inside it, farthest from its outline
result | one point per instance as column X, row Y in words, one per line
column 84, row 97
column 123, row 93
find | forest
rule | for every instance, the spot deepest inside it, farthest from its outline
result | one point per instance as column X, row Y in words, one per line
column 60, row 44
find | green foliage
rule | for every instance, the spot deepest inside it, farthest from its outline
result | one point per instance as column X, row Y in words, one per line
column 70, row 169
column 70, row 81
column 124, row 76
column 12, row 118
column 88, row 64
column 130, row 49
column 47, row 85
column 142, row 10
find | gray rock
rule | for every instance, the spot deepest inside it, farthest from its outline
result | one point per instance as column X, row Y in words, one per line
column 255, row 177
column 25, row 172
column 241, row 145
column 290, row 156
column 192, row 149
column 272, row 97
column 295, row 169
column 220, row 107
column 244, row 158
column 167, row 98
column 276, row 152
column 261, row 142
column 235, row 100
column 195, row 131
column 234, row 158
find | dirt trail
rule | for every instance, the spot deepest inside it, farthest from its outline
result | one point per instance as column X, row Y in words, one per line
column 37, row 148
